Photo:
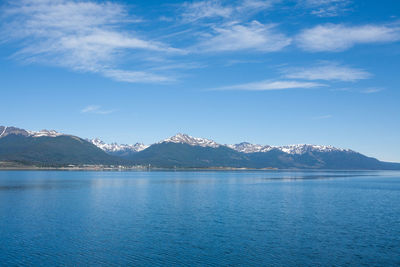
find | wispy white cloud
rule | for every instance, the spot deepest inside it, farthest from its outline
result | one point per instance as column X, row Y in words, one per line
column 268, row 85
column 255, row 5
column 294, row 78
column 322, row 117
column 219, row 26
column 232, row 62
column 253, row 36
column 81, row 35
column 165, row 19
column 339, row 37
column 205, row 9
column 95, row 109
column 328, row 71
column 372, row 90
column 210, row 9
column 326, row 8
column 181, row 66
column 136, row 76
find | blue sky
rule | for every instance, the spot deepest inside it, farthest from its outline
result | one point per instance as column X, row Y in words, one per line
column 269, row 72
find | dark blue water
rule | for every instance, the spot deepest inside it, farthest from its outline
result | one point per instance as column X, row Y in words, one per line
column 199, row 218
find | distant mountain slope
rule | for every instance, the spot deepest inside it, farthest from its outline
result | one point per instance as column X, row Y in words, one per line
column 344, row 160
column 49, row 148
column 170, row 154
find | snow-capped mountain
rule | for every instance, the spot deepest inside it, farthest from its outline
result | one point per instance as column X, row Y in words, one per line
column 289, row 149
column 245, row 147
column 114, row 147
column 5, row 130
column 190, row 140
column 305, row 148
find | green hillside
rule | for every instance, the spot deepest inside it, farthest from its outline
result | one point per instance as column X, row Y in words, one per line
column 53, row 151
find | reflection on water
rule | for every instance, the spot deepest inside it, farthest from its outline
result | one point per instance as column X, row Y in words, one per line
column 37, row 180
column 284, row 218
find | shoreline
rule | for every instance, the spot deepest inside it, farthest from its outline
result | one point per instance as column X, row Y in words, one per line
column 147, row 169
column 33, row 168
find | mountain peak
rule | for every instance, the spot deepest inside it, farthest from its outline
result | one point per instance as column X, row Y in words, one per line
column 6, row 130
column 115, row 147
column 181, row 138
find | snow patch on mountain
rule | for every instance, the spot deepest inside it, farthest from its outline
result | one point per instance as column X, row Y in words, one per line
column 245, row 147
column 114, row 147
column 190, row 140
column 305, row 148
column 3, row 130
column 47, row 133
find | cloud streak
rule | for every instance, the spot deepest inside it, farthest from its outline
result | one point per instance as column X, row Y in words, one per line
column 221, row 26
column 322, row 117
column 326, row 8
column 339, row 37
column 269, row 85
column 136, row 76
column 95, row 109
column 216, row 9
column 327, row 72
column 252, row 36
column 205, row 9
column 372, row 90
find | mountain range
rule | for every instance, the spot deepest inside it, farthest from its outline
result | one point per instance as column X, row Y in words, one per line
column 51, row 148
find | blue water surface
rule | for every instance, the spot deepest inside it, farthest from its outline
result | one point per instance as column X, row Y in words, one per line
column 203, row 218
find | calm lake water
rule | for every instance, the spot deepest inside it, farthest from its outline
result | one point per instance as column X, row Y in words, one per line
column 309, row 218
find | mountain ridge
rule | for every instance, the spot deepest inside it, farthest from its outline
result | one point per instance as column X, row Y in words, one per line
column 244, row 147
